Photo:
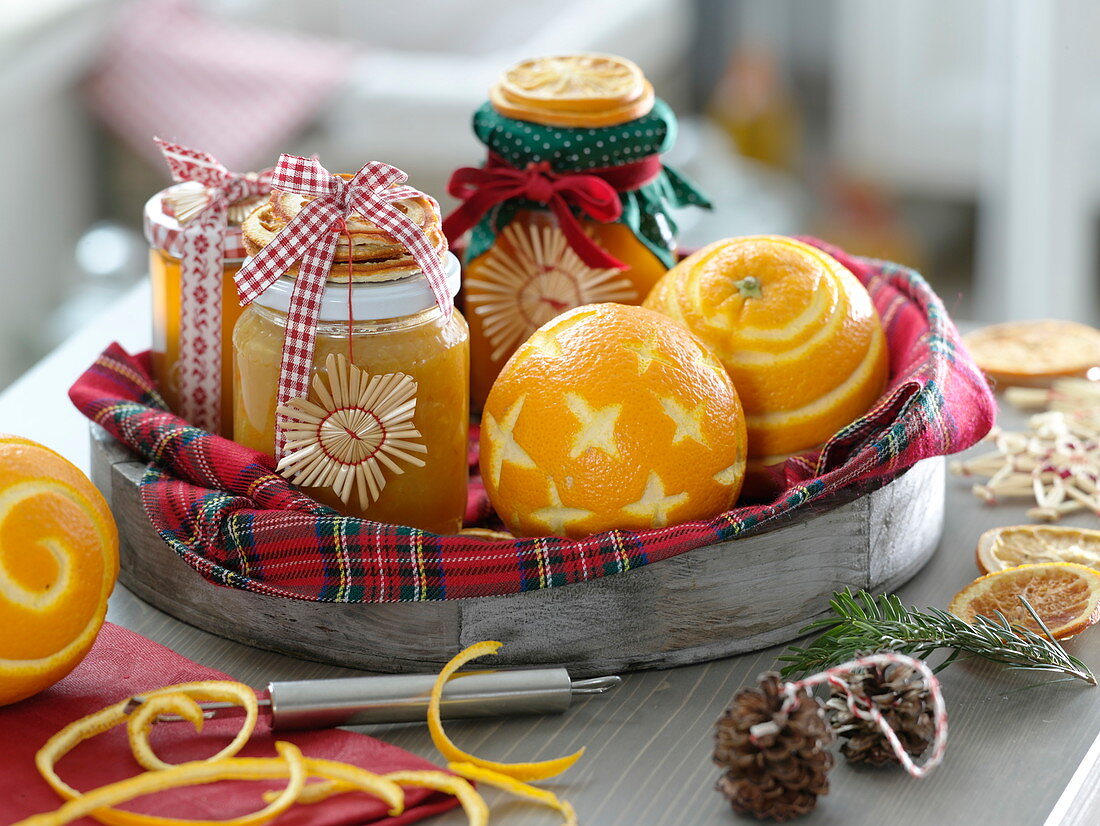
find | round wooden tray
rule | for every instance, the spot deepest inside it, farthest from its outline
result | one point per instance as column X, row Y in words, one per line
column 723, row 599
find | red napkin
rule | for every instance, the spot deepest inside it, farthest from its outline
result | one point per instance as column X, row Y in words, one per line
column 122, row 663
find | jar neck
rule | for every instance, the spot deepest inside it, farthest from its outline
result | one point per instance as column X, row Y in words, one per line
column 431, row 315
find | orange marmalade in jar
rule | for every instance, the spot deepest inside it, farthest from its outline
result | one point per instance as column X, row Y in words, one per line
column 573, row 205
column 390, row 390
column 164, row 231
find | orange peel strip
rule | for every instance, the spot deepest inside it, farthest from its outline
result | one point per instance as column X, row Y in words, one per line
column 477, row 811
column 107, row 718
column 517, row 771
column 290, row 764
column 182, row 702
column 316, row 792
column 513, row 786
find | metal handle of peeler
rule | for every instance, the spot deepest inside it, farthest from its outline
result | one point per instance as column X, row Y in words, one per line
column 403, row 698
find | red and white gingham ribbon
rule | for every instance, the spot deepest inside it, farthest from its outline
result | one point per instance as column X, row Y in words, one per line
column 310, row 238
column 861, row 707
column 202, row 241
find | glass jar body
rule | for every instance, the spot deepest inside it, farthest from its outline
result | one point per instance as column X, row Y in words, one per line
column 425, row 346
column 531, row 274
column 164, row 274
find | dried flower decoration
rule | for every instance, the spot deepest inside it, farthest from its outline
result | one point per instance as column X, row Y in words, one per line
column 361, row 428
column 1055, row 461
column 186, row 201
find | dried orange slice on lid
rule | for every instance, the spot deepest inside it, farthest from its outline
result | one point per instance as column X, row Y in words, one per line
column 1033, row 353
column 1064, row 594
column 1014, row 545
column 575, row 90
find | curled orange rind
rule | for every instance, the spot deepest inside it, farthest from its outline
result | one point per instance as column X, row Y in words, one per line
column 477, row 812
column 513, row 786
column 97, row 802
column 170, row 699
column 517, row 771
column 181, row 699
column 334, row 777
column 183, row 702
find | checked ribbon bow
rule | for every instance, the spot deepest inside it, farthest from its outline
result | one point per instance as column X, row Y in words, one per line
column 595, row 194
column 201, row 251
column 310, row 239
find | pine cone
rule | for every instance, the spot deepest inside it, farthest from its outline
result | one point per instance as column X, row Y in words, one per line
column 776, row 762
column 899, row 692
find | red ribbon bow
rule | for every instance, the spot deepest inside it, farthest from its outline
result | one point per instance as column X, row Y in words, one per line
column 202, row 242
column 223, row 186
column 310, row 237
column 594, row 192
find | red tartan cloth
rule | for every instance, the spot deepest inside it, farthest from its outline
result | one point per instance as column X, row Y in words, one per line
column 122, row 663
column 226, row 513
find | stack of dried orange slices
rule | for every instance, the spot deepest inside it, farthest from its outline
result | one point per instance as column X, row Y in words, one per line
column 297, row 769
column 1053, row 568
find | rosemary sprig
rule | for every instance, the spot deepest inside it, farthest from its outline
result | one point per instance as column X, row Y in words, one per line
column 863, row 623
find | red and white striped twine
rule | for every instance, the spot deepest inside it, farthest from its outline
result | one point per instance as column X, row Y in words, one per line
column 865, row 710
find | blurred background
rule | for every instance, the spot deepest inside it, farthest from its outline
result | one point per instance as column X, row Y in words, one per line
column 956, row 136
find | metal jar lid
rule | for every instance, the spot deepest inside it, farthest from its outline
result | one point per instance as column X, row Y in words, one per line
column 370, row 301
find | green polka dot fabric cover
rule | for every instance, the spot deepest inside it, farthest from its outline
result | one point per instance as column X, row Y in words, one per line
column 646, row 210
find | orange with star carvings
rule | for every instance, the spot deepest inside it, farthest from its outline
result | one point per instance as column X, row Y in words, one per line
column 611, row 416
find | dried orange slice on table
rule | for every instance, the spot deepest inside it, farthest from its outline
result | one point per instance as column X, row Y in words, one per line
column 1064, row 594
column 1034, row 353
column 1014, row 545
column 578, row 90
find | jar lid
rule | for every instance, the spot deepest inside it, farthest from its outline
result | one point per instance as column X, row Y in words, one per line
column 370, row 300
column 164, row 231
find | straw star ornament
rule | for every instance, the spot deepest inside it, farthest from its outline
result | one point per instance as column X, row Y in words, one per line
column 542, row 277
column 360, row 428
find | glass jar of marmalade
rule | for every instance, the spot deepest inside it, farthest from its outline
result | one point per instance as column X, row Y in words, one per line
column 562, row 131
column 391, row 329
column 163, row 232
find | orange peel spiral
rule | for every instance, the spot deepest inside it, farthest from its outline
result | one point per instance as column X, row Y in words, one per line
column 517, row 771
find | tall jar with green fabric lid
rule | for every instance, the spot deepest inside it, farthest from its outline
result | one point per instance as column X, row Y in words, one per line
column 573, row 204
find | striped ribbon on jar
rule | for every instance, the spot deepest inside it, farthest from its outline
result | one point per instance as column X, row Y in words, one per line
column 202, row 248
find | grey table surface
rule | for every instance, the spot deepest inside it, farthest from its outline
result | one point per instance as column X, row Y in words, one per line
column 1015, row 756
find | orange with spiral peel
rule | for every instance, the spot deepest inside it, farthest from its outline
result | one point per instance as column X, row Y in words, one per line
column 58, row 565
column 794, row 328
column 1064, row 594
column 611, row 416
